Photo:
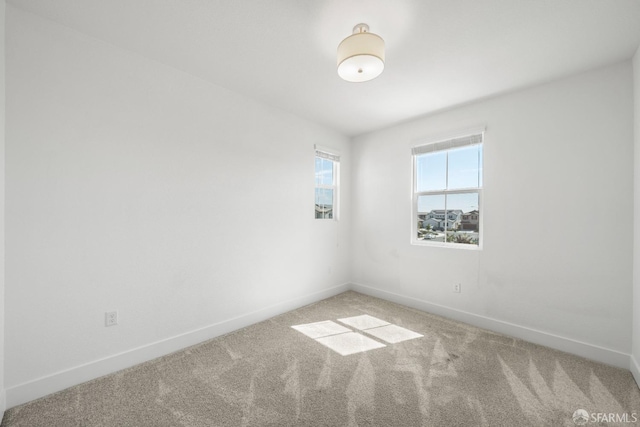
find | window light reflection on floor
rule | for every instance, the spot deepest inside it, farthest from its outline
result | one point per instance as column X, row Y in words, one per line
column 345, row 341
column 363, row 322
column 349, row 343
column 393, row 334
column 321, row 329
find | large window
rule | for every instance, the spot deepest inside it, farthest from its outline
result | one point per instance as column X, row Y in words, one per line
column 447, row 192
column 327, row 174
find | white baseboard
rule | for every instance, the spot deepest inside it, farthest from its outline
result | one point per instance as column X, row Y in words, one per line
column 3, row 403
column 634, row 367
column 568, row 345
column 40, row 387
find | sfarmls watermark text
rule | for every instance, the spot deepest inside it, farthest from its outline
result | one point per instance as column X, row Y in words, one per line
column 582, row 417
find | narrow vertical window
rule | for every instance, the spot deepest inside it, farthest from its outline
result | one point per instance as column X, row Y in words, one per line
column 447, row 192
column 326, row 188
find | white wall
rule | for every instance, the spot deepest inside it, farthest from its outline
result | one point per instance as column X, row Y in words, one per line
column 2, row 144
column 132, row 186
column 558, row 164
column 635, row 354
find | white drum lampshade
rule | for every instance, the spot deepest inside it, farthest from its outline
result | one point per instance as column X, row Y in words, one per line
column 361, row 55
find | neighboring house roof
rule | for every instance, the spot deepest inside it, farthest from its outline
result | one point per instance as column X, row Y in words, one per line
column 442, row 211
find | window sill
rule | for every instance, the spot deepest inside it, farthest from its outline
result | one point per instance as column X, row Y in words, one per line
column 463, row 246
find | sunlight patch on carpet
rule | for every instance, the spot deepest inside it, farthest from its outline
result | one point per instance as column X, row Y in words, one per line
column 345, row 341
column 349, row 343
column 321, row 329
column 363, row 322
column 393, row 334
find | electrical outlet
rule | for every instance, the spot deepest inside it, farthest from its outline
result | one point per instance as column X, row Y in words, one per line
column 111, row 318
column 457, row 288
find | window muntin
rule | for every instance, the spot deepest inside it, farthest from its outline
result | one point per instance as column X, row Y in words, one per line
column 326, row 185
column 447, row 192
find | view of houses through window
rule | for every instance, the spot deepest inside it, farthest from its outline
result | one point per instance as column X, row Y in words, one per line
column 447, row 191
column 326, row 188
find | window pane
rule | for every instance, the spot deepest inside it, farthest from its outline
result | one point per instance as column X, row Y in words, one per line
column 464, row 168
column 324, row 171
column 431, row 218
column 463, row 218
column 324, row 203
column 328, row 172
column 318, row 170
column 431, row 171
column 480, row 163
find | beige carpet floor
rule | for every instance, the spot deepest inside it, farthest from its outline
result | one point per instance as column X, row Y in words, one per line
column 271, row 374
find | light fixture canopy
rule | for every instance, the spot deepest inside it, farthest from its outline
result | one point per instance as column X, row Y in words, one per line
column 361, row 55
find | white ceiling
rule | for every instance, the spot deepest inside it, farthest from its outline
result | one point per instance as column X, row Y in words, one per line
column 440, row 53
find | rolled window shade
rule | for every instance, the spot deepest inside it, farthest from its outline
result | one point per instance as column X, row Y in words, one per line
column 328, row 156
column 447, row 144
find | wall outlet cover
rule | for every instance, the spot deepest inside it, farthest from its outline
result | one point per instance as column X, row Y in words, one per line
column 111, row 318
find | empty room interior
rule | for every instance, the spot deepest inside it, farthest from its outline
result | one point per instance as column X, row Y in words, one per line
column 336, row 213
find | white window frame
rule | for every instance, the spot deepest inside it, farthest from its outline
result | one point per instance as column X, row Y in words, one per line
column 440, row 144
column 334, row 156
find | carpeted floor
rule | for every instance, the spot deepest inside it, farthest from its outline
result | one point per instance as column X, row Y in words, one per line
column 271, row 374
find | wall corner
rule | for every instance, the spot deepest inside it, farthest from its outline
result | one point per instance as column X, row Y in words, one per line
column 635, row 327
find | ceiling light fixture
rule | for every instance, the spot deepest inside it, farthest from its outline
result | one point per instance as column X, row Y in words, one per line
column 361, row 55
